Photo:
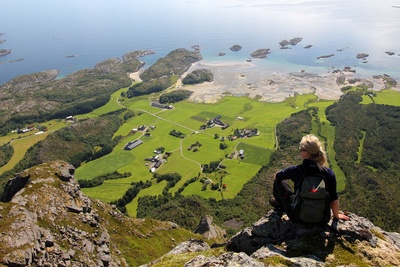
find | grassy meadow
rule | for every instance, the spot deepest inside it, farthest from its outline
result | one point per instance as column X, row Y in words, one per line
column 187, row 117
column 22, row 142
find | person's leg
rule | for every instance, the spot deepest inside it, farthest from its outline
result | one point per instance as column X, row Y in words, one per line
column 283, row 194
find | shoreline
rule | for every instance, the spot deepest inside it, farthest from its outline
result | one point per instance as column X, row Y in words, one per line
column 247, row 79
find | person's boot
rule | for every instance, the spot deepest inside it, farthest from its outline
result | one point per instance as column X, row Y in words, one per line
column 275, row 204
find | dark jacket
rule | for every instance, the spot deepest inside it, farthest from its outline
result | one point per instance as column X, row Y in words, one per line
column 308, row 166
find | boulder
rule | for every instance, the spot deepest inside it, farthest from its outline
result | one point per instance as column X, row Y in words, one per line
column 274, row 234
column 208, row 230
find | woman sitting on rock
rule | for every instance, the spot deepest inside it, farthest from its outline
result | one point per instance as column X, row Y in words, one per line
column 314, row 187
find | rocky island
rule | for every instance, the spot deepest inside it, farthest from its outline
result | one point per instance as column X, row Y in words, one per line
column 261, row 53
column 294, row 41
column 362, row 55
column 236, row 48
column 4, row 52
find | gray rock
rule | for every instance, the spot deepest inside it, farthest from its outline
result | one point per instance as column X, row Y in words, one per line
column 275, row 235
column 13, row 186
column 208, row 230
column 192, row 245
column 270, row 251
column 229, row 259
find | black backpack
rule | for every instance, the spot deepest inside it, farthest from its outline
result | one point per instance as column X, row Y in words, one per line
column 311, row 201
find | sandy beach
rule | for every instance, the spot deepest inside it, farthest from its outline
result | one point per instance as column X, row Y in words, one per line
column 135, row 76
column 246, row 79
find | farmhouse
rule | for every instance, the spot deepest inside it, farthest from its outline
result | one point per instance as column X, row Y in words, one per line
column 217, row 121
column 156, row 166
column 25, row 130
column 133, row 144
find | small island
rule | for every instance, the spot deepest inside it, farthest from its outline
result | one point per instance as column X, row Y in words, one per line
column 4, row 52
column 294, row 41
column 326, row 56
column 236, row 48
column 261, row 53
column 362, row 56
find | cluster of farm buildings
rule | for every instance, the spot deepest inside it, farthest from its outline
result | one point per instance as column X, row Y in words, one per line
column 215, row 121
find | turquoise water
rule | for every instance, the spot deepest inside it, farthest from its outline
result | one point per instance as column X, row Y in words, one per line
column 43, row 32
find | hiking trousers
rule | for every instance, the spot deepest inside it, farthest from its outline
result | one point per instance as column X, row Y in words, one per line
column 283, row 194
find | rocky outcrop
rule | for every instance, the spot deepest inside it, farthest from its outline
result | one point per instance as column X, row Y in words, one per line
column 29, row 243
column 276, row 241
column 261, row 53
column 24, row 82
column 388, row 81
column 226, row 259
column 276, row 235
column 136, row 54
column 48, row 221
column 208, row 230
column 198, row 76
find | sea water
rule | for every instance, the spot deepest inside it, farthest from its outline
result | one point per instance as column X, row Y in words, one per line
column 70, row 35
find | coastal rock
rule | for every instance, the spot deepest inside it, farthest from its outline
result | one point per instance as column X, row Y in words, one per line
column 261, row 53
column 4, row 52
column 24, row 82
column 308, row 46
column 390, row 53
column 236, row 48
column 326, row 56
column 136, row 54
column 198, row 76
column 196, row 48
column 388, row 81
column 221, row 54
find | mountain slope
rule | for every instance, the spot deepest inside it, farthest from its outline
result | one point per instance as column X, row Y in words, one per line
column 47, row 221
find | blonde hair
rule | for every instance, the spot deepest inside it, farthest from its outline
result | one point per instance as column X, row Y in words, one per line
column 312, row 145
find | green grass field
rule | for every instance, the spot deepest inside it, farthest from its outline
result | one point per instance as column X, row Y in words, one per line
column 22, row 142
column 388, row 97
column 187, row 117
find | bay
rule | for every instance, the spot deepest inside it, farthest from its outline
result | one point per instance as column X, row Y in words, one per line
column 72, row 35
